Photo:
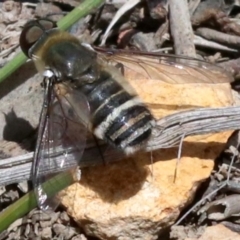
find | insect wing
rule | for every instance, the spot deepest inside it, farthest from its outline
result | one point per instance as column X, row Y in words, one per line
column 165, row 67
column 61, row 147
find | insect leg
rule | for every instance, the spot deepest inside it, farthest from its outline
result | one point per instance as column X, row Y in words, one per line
column 120, row 67
column 99, row 149
column 178, row 158
column 42, row 126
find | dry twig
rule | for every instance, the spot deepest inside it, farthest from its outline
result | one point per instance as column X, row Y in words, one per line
column 219, row 37
column 181, row 28
column 168, row 133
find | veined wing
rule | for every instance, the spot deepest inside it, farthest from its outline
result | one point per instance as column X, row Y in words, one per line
column 61, row 143
column 165, row 67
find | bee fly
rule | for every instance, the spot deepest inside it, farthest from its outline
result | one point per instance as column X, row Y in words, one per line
column 117, row 115
column 82, row 91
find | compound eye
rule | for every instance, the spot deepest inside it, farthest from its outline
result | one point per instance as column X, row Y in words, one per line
column 32, row 31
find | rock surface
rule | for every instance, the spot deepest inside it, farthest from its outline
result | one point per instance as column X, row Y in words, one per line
column 134, row 199
column 21, row 101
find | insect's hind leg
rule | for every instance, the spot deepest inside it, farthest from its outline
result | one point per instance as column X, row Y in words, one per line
column 120, row 67
column 99, row 149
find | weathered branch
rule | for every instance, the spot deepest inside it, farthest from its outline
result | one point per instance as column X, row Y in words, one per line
column 168, row 133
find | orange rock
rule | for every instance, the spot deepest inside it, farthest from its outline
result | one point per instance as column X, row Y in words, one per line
column 134, row 199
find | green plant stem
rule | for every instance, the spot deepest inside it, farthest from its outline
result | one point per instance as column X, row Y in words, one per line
column 66, row 22
column 25, row 204
column 12, row 66
column 82, row 10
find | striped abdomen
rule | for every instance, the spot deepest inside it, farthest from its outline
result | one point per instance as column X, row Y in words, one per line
column 117, row 116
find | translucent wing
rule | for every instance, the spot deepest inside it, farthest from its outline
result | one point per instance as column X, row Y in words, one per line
column 61, row 145
column 167, row 68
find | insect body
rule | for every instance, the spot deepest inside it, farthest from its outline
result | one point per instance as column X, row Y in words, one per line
column 82, row 92
column 117, row 115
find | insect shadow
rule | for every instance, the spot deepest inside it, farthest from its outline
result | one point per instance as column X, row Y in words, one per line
column 123, row 179
column 17, row 129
